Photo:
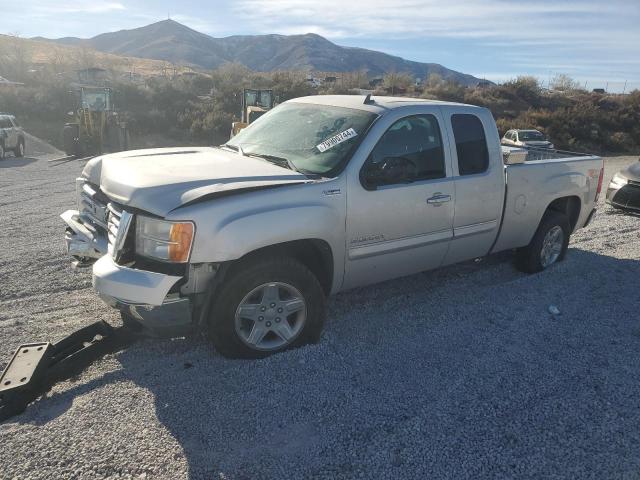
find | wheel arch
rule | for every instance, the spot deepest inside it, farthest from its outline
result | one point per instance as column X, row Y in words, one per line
column 314, row 253
column 569, row 206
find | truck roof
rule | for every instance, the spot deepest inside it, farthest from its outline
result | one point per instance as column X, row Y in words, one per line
column 379, row 103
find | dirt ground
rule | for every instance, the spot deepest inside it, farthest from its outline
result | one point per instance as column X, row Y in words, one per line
column 456, row 373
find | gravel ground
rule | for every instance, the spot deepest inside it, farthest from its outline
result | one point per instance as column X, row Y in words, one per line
column 458, row 373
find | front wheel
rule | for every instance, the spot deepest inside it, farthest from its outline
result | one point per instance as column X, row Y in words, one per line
column 266, row 306
column 548, row 246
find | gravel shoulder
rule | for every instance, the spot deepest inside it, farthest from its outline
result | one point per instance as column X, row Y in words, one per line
column 457, row 373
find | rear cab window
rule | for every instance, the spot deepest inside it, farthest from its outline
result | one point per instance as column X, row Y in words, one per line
column 471, row 144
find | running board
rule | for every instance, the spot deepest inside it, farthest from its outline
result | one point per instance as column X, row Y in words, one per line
column 36, row 367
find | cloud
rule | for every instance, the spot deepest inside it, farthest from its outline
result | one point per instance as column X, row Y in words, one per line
column 426, row 18
column 543, row 35
column 84, row 7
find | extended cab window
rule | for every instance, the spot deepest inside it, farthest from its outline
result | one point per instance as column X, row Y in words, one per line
column 5, row 122
column 471, row 144
column 410, row 150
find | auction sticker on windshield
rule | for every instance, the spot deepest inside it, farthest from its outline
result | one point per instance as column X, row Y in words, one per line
column 336, row 139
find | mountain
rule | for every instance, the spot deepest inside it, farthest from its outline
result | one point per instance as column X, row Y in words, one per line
column 176, row 43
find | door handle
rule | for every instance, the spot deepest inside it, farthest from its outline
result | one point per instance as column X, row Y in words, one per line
column 438, row 199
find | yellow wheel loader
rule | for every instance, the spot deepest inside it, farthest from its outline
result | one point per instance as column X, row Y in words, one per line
column 254, row 104
column 96, row 127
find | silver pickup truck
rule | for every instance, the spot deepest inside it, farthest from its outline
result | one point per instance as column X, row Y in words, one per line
column 321, row 194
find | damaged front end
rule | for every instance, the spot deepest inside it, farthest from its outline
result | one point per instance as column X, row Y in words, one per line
column 86, row 237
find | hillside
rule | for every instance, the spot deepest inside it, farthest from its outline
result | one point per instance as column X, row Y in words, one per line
column 38, row 51
column 171, row 41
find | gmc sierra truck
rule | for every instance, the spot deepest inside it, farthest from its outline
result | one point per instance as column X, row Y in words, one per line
column 321, row 194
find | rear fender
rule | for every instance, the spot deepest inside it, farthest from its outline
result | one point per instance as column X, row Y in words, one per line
column 529, row 195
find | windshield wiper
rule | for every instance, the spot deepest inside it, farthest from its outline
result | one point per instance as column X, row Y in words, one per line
column 280, row 161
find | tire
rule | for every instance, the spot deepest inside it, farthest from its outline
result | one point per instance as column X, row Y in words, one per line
column 532, row 259
column 253, row 283
column 19, row 150
column 1, row 152
column 70, row 135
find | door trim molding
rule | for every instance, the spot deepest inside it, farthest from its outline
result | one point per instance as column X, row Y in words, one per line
column 397, row 245
column 474, row 228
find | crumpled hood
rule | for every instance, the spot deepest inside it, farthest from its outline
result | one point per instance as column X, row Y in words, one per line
column 160, row 180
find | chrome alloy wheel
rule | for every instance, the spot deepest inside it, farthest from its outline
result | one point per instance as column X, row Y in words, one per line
column 552, row 246
column 271, row 316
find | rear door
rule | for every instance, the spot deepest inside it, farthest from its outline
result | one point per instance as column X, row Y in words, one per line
column 398, row 227
column 479, row 182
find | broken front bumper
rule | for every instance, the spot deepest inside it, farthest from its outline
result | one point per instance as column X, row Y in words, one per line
column 84, row 240
column 143, row 296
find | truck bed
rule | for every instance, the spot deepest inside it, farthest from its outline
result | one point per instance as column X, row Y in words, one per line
column 545, row 176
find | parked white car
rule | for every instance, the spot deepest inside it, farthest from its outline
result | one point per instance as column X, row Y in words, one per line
column 526, row 138
column 319, row 195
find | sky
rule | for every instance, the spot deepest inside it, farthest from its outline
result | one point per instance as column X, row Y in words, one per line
column 596, row 42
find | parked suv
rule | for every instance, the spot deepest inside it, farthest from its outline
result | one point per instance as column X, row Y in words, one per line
column 11, row 136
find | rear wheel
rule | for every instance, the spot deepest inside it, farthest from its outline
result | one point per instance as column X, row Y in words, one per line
column 1, row 151
column 548, row 246
column 266, row 306
column 19, row 150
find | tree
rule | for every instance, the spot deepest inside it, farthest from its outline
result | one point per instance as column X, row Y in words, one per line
column 434, row 80
column 525, row 87
column 564, row 83
column 394, row 81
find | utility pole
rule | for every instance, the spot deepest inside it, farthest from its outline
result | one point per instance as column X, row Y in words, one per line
column 625, row 87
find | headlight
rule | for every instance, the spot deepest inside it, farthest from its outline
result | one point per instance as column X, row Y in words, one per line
column 618, row 181
column 168, row 241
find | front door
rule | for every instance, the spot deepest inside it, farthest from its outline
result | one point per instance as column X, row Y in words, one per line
column 10, row 140
column 400, row 211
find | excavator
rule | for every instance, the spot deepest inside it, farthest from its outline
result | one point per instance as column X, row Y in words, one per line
column 96, row 127
column 254, row 104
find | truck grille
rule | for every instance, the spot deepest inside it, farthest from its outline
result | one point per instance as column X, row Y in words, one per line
column 91, row 203
column 118, row 224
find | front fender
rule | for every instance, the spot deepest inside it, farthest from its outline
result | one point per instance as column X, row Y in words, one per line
column 241, row 234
